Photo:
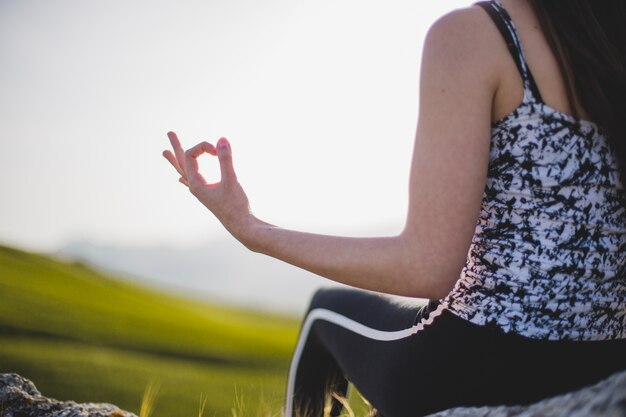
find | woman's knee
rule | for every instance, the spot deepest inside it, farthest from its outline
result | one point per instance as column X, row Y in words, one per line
column 329, row 298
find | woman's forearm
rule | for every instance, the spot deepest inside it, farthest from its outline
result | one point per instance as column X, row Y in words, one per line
column 385, row 264
column 406, row 264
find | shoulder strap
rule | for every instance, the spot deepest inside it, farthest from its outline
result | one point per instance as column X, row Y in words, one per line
column 505, row 25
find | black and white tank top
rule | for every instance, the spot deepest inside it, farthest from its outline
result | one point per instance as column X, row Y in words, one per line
column 548, row 256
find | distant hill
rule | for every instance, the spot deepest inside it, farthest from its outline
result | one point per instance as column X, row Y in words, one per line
column 40, row 295
column 84, row 335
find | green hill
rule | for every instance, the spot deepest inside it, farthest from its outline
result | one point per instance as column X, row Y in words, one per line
column 86, row 336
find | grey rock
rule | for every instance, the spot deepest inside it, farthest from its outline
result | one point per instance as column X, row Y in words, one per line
column 607, row 398
column 20, row 398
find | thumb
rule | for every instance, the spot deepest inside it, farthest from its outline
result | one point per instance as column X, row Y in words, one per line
column 225, row 156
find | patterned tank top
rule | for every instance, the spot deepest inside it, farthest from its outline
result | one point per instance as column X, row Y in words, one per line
column 548, row 256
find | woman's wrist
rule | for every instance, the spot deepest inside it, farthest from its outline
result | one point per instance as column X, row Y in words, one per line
column 247, row 230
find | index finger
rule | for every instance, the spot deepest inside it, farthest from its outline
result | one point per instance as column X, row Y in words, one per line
column 192, row 155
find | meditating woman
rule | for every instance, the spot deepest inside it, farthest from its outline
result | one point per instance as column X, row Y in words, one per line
column 515, row 230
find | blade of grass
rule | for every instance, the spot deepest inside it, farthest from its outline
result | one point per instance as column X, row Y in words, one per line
column 149, row 398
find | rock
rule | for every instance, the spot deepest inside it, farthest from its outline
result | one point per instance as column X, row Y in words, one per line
column 20, row 398
column 605, row 399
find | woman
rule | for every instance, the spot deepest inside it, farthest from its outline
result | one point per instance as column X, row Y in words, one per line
column 516, row 226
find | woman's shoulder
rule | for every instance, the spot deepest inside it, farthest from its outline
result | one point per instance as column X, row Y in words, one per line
column 464, row 24
column 466, row 40
column 463, row 17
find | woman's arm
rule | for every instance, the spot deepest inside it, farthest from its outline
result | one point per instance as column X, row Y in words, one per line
column 447, row 179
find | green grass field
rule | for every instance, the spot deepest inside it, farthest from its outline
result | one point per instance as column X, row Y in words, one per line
column 82, row 335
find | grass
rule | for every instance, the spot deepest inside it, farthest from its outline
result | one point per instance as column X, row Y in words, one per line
column 89, row 337
column 82, row 335
column 354, row 401
column 44, row 296
column 148, row 399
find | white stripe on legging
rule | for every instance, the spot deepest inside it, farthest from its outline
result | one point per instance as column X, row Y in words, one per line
column 354, row 326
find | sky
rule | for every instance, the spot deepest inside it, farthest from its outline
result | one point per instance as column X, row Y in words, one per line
column 319, row 100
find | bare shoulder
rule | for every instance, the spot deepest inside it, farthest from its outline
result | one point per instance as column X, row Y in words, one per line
column 466, row 40
column 464, row 21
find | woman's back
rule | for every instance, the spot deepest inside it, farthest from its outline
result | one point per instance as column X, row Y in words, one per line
column 541, row 62
column 546, row 260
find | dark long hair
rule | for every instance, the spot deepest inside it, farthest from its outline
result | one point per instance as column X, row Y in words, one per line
column 588, row 39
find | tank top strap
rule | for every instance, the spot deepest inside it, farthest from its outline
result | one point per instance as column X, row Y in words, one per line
column 505, row 25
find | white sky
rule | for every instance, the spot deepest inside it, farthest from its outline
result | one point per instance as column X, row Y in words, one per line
column 318, row 98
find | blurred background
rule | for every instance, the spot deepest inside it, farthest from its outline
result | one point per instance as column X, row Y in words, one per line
column 111, row 273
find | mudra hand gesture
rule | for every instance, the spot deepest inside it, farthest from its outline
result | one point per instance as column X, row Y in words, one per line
column 226, row 198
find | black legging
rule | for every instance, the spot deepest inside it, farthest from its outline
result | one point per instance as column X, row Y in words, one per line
column 416, row 358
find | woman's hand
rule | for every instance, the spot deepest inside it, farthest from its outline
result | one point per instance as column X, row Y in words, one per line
column 225, row 199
